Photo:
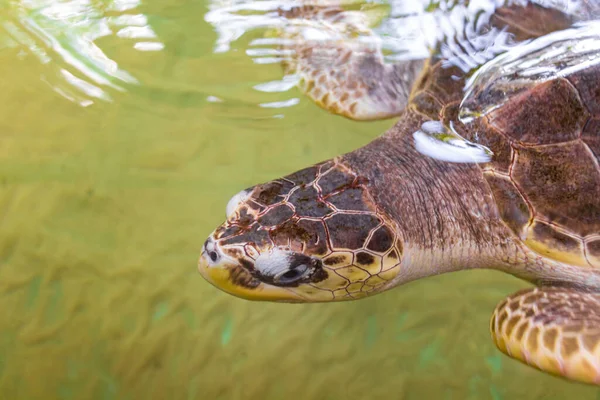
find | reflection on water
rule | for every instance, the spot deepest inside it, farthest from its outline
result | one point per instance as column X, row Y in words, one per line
column 557, row 54
column 396, row 31
column 63, row 34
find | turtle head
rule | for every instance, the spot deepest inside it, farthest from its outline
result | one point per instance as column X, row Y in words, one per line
column 312, row 236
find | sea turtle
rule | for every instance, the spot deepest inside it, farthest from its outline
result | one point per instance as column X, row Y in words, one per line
column 497, row 168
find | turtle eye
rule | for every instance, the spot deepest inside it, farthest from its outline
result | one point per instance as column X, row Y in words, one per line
column 211, row 250
column 292, row 275
column 285, row 268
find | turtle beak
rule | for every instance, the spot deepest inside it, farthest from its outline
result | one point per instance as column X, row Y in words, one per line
column 232, row 278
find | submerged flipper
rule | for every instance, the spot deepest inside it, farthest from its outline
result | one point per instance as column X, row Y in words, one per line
column 556, row 330
column 354, row 84
column 340, row 65
column 349, row 69
column 339, row 62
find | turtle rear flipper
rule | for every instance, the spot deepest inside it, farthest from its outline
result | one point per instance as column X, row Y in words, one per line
column 554, row 329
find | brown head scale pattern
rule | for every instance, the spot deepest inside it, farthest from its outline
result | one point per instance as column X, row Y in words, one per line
column 314, row 235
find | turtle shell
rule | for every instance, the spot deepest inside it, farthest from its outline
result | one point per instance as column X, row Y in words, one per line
column 544, row 132
column 547, row 181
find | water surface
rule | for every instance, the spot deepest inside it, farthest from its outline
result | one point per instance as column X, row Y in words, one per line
column 123, row 134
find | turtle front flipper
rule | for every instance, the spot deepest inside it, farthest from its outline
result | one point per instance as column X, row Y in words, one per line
column 554, row 329
column 354, row 83
column 339, row 63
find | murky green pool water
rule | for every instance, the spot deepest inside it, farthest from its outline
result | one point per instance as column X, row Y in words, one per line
column 123, row 135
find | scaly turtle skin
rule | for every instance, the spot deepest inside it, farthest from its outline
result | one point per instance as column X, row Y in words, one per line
column 386, row 214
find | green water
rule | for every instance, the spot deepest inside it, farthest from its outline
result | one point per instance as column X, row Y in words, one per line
column 106, row 196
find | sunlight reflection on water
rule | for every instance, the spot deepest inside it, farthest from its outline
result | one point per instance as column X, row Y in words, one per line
column 557, row 54
column 63, row 35
column 396, row 30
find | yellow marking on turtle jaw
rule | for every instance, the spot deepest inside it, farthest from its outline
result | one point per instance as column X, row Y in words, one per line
column 220, row 276
column 375, row 281
column 389, row 274
column 353, row 274
column 316, row 295
column 390, row 261
column 338, row 259
column 334, row 282
column 355, row 287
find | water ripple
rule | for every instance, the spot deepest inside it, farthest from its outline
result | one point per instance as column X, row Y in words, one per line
column 395, row 30
column 62, row 35
column 557, row 54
